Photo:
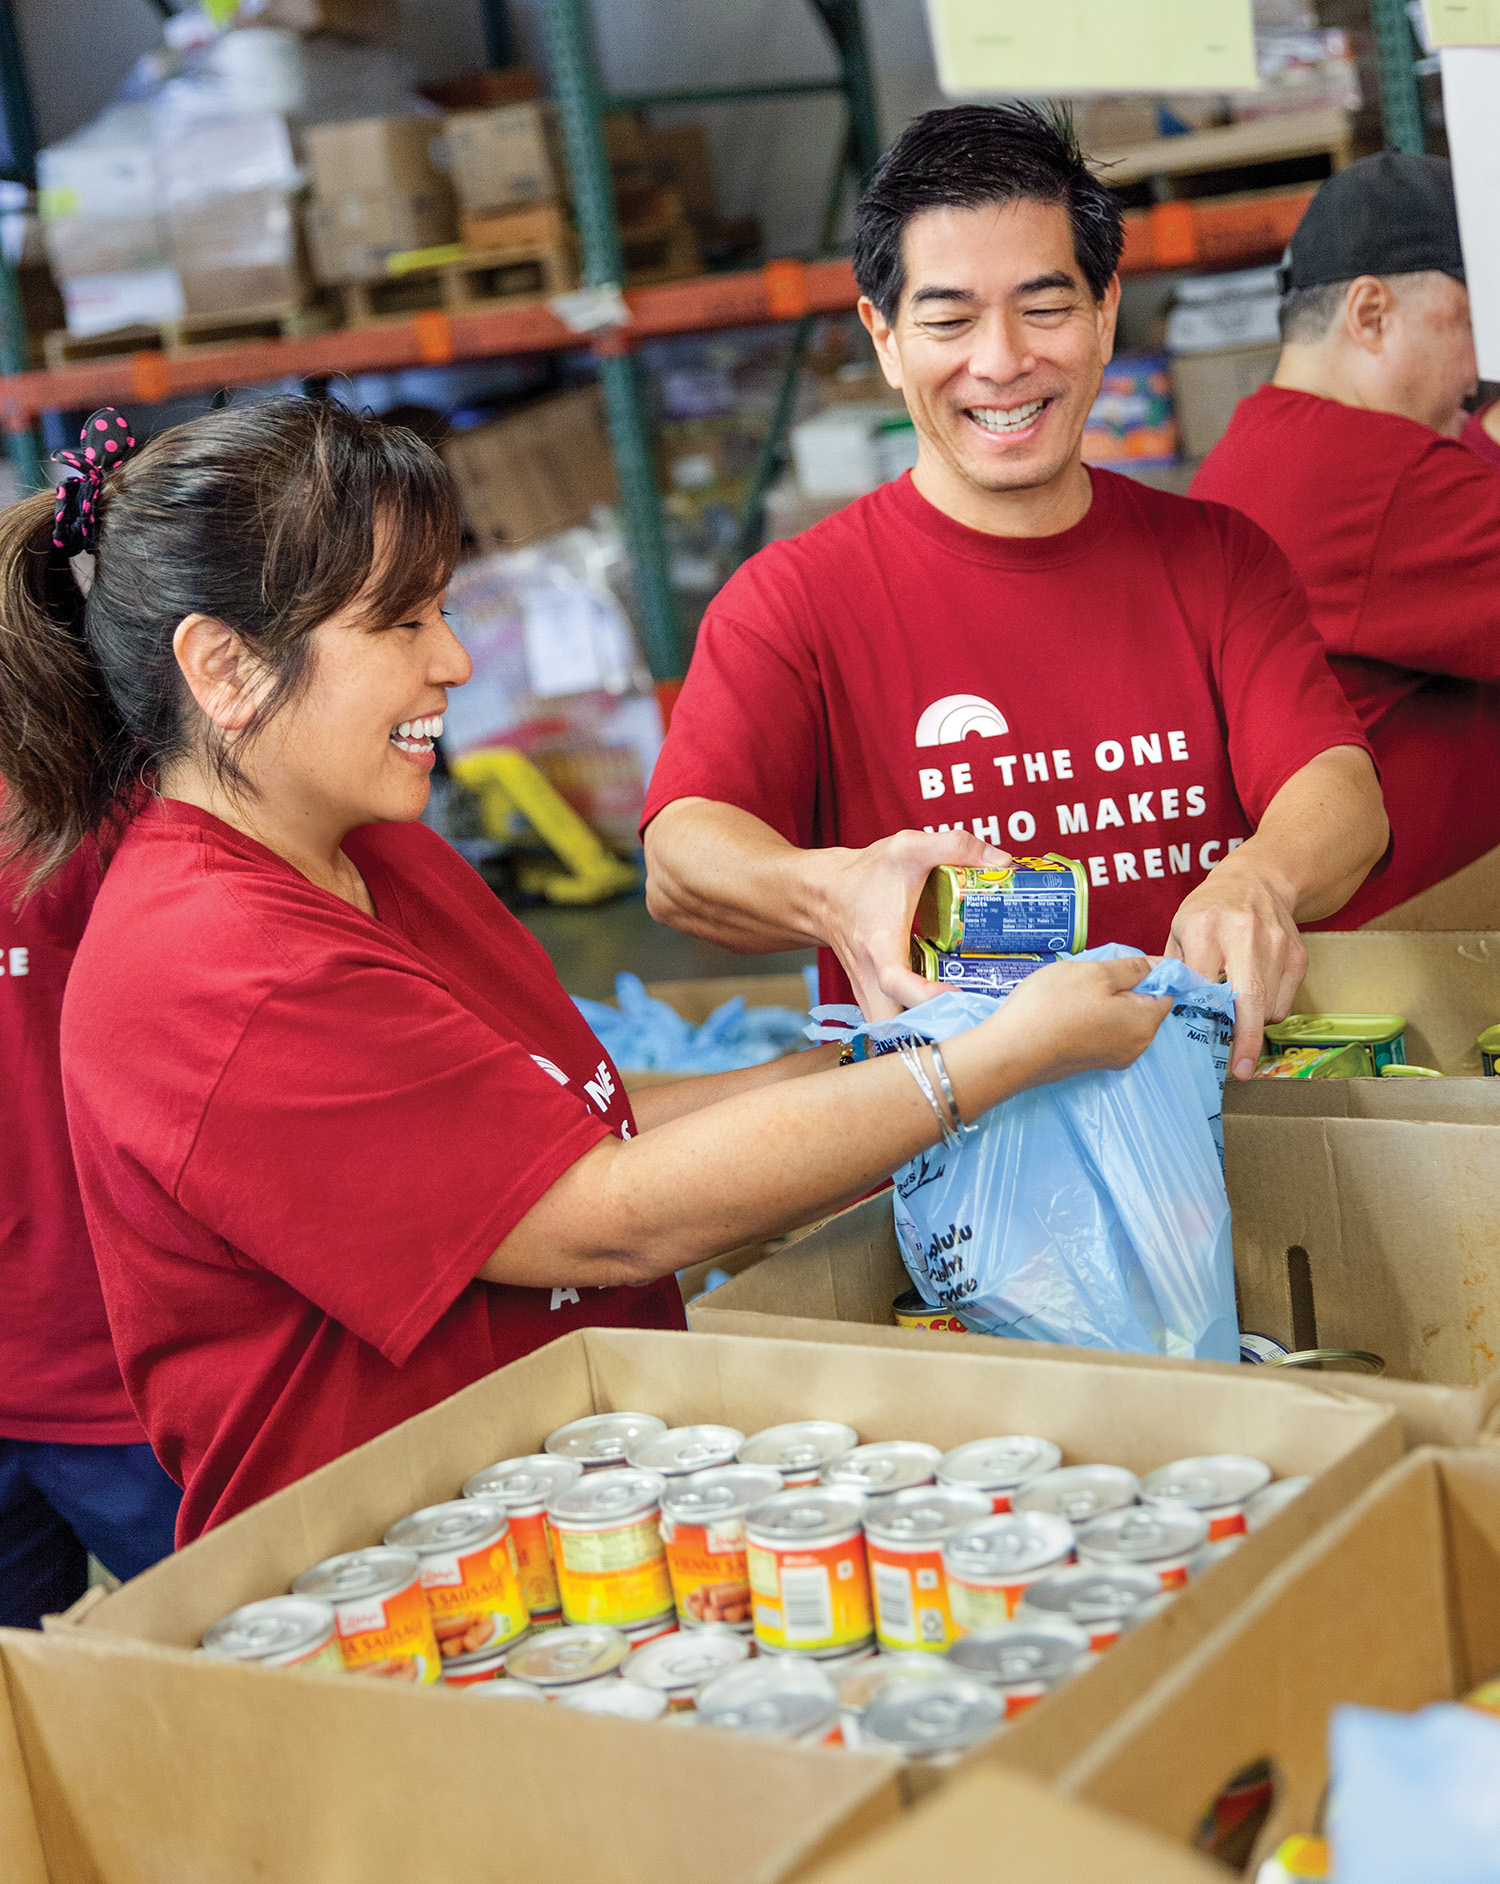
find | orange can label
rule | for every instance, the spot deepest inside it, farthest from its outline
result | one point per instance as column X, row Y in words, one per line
column 532, row 1541
column 977, row 1605
column 910, row 1588
column 1230, row 1523
column 476, row 1599
column 710, row 1577
column 811, row 1597
column 390, row 1635
column 616, row 1575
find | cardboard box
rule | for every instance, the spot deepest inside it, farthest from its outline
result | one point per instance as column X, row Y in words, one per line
column 536, row 472
column 238, row 251
column 506, row 156
column 838, row 1284
column 1392, row 1606
column 375, row 157
column 1044, row 1838
column 1206, row 388
column 125, row 1765
column 1446, row 983
column 1140, row 1419
column 350, row 237
column 541, row 226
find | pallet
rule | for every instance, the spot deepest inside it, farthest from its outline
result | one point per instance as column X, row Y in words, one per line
column 189, row 334
column 663, row 252
column 480, row 279
column 1327, row 133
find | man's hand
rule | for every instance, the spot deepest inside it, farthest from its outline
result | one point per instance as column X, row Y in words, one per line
column 868, row 898
column 1239, row 927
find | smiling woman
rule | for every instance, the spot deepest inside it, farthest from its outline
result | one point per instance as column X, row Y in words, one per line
column 344, row 1143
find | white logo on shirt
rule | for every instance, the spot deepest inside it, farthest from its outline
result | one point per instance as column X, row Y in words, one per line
column 20, row 961
column 949, row 721
column 559, row 1296
column 601, row 1087
column 552, row 1072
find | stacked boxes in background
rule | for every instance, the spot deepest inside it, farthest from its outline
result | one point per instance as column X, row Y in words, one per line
column 376, row 192
column 106, row 241
column 228, row 188
column 1224, row 341
column 510, row 176
column 534, row 472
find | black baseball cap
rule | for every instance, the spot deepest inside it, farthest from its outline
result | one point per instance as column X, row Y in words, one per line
column 1393, row 214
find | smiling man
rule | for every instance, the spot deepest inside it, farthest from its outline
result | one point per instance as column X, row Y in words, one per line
column 1007, row 650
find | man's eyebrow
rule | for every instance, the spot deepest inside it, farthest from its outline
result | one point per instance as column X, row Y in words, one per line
column 944, row 294
column 1038, row 284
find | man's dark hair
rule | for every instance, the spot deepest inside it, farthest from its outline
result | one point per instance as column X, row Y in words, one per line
column 968, row 157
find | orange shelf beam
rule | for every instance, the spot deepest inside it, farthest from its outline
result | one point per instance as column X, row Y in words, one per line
column 1212, row 231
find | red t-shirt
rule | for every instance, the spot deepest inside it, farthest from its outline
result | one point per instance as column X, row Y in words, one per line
column 59, row 1380
column 301, row 1131
column 1395, row 532
column 1133, row 691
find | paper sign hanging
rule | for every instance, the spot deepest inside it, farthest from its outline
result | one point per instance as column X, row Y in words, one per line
column 1005, row 48
column 1461, row 22
column 1471, row 111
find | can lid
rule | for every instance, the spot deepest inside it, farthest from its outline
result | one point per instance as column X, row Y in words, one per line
column 884, row 1466
column 859, row 1686
column 1336, row 1030
column 1145, row 1533
column 1006, row 1653
column 1078, row 1492
column 610, row 1696
column 806, row 1514
column 997, row 1464
column 556, row 1657
column 373, row 1572
column 683, row 1449
column 506, row 1688
column 932, row 1716
column 278, row 1625
column 783, row 1698
column 1266, row 1504
column 1219, row 1478
column 1085, row 1592
column 529, row 1480
column 602, row 1438
column 462, row 1524
column 925, row 1514
column 720, row 1493
column 799, row 1445
column 687, row 1658
column 1489, row 1040
column 607, row 1497
column 1014, row 1541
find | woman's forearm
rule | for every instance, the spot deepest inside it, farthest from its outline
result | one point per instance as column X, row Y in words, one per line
column 655, row 1106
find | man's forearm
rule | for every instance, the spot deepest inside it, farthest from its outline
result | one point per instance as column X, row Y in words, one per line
column 1322, row 833
column 715, row 871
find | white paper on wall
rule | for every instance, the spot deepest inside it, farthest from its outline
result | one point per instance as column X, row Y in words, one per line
column 1471, row 108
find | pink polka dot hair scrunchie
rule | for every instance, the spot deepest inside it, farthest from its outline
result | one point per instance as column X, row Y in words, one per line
column 102, row 444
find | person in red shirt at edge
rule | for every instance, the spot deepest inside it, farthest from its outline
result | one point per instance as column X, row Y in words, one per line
column 344, row 1143
column 1006, row 647
column 1354, row 460
column 76, row 1472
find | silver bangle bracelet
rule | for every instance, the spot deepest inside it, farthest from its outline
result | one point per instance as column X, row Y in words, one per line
column 913, row 1065
column 947, row 1086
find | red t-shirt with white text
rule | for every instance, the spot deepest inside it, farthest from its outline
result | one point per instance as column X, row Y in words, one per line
column 307, row 1133
column 1133, row 691
column 59, row 1380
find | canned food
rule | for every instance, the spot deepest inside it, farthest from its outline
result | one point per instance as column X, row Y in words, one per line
column 620, row 1698
column 703, row 1531
column 508, row 1690
column 1489, row 1051
column 279, row 1632
column 564, row 1658
column 1033, row 905
column 809, row 1580
column 523, row 1487
column 1022, row 1661
column 611, row 1567
column 799, row 1450
column 990, row 1565
column 1103, row 1603
column 684, row 1449
column 380, row 1612
column 886, row 1467
column 974, row 974
column 931, row 1721
column 637, row 1634
column 471, row 1583
column 911, row 1311
column 1262, row 1506
column 1410, row 1072
column 788, row 1700
column 998, row 1466
column 904, row 1538
column 862, row 1682
column 601, row 1440
column 1216, row 1485
column 1079, row 1492
column 1160, row 1537
column 678, row 1665
column 1258, row 1350
column 1383, row 1034
column 1352, row 1062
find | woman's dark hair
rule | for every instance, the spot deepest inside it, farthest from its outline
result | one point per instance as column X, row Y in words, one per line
column 967, row 158
column 270, row 518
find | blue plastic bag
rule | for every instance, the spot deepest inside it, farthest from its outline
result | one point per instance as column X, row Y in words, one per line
column 644, row 1035
column 1092, row 1211
column 1415, row 1798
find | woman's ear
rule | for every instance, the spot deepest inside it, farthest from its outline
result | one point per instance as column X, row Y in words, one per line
column 223, row 676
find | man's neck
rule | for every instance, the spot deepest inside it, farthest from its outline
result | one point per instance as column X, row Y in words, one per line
column 1325, row 373
column 1037, row 510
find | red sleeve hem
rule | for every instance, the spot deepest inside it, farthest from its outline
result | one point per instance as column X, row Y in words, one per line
column 455, row 1276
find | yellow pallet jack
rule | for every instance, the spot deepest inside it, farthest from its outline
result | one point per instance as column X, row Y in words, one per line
column 515, row 803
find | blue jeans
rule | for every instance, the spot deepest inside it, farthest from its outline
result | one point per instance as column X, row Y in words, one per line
column 58, row 1503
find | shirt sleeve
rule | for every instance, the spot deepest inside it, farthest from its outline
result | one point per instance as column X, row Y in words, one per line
column 371, row 1142
column 749, row 727
column 1281, row 702
column 1432, row 600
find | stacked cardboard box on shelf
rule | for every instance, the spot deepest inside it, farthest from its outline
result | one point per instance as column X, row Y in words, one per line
column 229, row 189
column 376, row 192
column 535, row 472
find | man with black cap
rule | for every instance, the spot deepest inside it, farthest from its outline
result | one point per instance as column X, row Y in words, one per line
column 1354, row 460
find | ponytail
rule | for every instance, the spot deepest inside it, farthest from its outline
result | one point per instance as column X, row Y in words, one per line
column 65, row 754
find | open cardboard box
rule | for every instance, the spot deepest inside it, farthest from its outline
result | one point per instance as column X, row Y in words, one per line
column 1140, row 1419
column 128, row 1765
column 1446, row 983
column 1395, row 1604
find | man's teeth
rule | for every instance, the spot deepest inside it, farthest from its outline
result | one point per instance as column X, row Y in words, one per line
column 1012, row 421
column 417, row 730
